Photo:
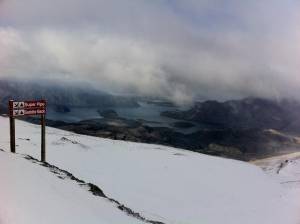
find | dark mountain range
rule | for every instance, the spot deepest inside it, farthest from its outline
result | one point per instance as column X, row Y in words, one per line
column 250, row 113
column 247, row 128
column 60, row 94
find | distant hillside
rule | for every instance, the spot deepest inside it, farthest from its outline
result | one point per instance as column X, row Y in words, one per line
column 249, row 128
column 250, row 113
column 60, row 94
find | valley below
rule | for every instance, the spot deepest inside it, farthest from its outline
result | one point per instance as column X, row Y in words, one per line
column 244, row 129
column 97, row 160
column 244, row 137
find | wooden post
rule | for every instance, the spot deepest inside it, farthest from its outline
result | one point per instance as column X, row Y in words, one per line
column 28, row 108
column 43, row 139
column 12, row 127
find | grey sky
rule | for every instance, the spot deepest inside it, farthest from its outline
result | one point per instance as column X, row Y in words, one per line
column 177, row 49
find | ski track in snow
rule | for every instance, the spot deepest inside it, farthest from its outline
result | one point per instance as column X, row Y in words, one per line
column 161, row 183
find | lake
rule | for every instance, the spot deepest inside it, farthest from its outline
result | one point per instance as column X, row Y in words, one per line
column 148, row 113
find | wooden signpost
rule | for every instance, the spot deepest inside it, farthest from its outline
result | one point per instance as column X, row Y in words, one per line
column 27, row 108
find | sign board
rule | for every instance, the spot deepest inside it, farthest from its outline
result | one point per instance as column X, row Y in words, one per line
column 28, row 112
column 29, row 104
column 27, row 108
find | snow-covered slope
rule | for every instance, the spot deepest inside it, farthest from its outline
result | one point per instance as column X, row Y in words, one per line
column 30, row 194
column 161, row 183
column 285, row 170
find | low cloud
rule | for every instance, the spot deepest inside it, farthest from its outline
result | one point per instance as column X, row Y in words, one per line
column 180, row 51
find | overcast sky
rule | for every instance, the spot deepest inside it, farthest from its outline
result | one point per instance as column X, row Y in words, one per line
column 179, row 49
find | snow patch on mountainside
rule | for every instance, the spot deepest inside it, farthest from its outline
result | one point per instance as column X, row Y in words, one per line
column 170, row 185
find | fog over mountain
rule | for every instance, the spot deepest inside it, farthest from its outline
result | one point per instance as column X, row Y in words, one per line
column 181, row 50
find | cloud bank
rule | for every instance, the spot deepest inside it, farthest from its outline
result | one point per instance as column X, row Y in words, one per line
column 180, row 50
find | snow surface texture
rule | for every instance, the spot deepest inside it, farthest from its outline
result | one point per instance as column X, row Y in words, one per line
column 30, row 194
column 170, row 185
